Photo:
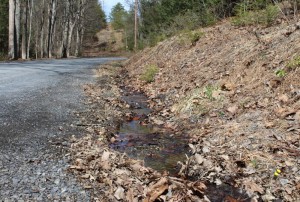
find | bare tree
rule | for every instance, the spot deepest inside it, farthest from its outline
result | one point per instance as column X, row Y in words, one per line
column 12, row 50
column 57, row 27
column 51, row 23
column 30, row 7
column 24, row 30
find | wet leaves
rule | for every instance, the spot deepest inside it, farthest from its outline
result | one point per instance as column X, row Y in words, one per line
column 113, row 176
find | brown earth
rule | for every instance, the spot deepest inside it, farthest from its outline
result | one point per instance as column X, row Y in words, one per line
column 244, row 120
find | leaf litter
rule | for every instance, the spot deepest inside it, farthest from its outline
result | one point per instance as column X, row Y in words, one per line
column 243, row 121
column 111, row 175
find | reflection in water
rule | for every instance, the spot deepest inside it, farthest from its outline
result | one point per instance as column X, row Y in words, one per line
column 159, row 148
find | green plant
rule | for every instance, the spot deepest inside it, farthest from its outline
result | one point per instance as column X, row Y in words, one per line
column 254, row 163
column 190, row 37
column 149, row 74
column 208, row 91
column 247, row 15
column 270, row 14
column 280, row 73
column 294, row 63
column 221, row 113
column 194, row 36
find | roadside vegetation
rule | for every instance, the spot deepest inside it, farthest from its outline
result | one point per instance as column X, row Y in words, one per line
column 149, row 74
column 159, row 20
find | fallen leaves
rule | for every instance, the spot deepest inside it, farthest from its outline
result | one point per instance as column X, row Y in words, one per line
column 251, row 187
column 156, row 190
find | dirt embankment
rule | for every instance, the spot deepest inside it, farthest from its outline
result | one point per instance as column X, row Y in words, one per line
column 236, row 91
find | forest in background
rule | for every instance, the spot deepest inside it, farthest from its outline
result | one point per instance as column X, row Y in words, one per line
column 55, row 28
column 47, row 28
column 160, row 19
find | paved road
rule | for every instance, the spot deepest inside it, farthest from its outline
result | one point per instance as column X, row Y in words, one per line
column 37, row 104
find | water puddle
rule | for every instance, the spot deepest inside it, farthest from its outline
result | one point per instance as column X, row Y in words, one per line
column 160, row 148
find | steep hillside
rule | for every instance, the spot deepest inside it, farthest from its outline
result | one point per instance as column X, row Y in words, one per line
column 236, row 92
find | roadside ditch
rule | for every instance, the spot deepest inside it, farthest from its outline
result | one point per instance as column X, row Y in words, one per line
column 126, row 157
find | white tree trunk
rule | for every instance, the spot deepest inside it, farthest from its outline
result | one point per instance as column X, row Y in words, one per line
column 70, row 34
column 24, row 31
column 52, row 15
column 79, row 28
column 30, row 6
column 64, row 45
column 17, row 27
column 11, row 39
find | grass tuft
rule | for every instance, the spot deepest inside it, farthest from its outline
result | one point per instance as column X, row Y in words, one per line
column 149, row 74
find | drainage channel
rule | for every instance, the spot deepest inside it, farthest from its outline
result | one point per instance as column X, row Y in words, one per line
column 161, row 148
column 158, row 147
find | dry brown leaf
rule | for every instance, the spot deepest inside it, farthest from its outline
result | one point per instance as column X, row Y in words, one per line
column 130, row 195
column 119, row 194
column 79, row 168
column 233, row 109
column 297, row 116
column 156, row 190
column 105, row 156
column 283, row 98
column 298, row 186
column 252, row 187
column 230, row 199
column 228, row 87
column 86, row 176
column 199, row 159
column 201, row 187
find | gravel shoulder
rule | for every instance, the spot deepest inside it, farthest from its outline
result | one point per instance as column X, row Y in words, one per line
column 39, row 103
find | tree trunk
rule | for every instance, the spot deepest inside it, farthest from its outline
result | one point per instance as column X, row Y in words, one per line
column 64, row 45
column 52, row 14
column 24, row 31
column 11, row 37
column 70, row 34
column 17, row 27
column 77, row 46
column 42, row 32
column 30, row 6
column 79, row 28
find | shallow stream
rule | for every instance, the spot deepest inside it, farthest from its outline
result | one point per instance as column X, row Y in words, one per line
column 158, row 147
column 161, row 148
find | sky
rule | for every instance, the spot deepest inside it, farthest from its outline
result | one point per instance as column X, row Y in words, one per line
column 108, row 4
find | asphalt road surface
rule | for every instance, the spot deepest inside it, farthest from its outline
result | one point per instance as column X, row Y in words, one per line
column 37, row 104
